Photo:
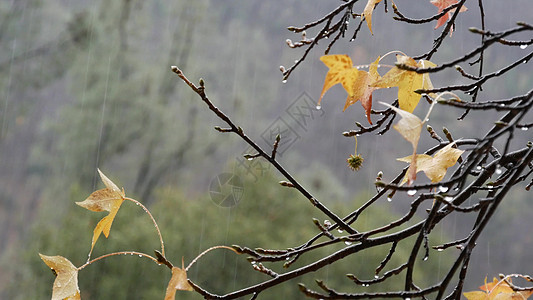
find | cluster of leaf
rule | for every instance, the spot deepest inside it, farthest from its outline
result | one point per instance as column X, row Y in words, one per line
column 108, row 199
column 360, row 84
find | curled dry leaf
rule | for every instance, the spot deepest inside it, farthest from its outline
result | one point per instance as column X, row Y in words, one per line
column 66, row 282
column 178, row 281
column 109, row 199
column 497, row 290
column 407, row 81
column 410, row 127
column 367, row 12
column 434, row 167
column 357, row 83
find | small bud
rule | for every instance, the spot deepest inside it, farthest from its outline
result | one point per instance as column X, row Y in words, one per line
column 202, row 83
column 286, row 183
column 380, row 184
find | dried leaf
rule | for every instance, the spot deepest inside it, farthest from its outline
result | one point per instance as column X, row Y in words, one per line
column 178, row 281
column 109, row 199
column 442, row 4
column 357, row 83
column 476, row 295
column 66, row 283
column 407, row 81
column 434, row 167
column 410, row 127
column 367, row 12
column 497, row 290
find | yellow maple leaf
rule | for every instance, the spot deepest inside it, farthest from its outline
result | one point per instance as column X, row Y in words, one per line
column 109, row 199
column 178, row 281
column 407, row 81
column 434, row 167
column 66, row 282
column 357, row 83
column 367, row 12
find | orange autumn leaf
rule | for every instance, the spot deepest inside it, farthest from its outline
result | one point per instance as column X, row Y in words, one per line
column 407, row 81
column 367, row 12
column 434, row 167
column 109, row 199
column 497, row 290
column 442, row 4
column 178, row 281
column 66, row 282
column 357, row 83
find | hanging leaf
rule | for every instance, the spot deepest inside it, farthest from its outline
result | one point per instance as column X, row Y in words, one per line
column 66, row 282
column 434, row 167
column 109, row 199
column 407, row 81
column 410, row 127
column 367, row 12
column 357, row 83
column 442, row 4
column 178, row 281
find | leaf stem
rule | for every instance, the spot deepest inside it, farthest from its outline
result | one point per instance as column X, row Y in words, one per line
column 117, row 253
column 205, row 251
column 153, row 220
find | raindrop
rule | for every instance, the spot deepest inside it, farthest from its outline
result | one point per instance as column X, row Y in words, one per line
column 250, row 158
column 498, row 171
column 295, row 61
column 524, row 128
column 140, row 255
column 288, row 258
column 425, row 258
column 340, row 231
column 347, row 243
column 525, row 61
column 327, row 223
column 376, row 276
column 443, row 189
column 351, row 40
column 448, row 198
column 318, row 107
column 407, row 298
column 365, row 285
column 284, row 81
column 523, row 46
column 358, row 134
column 253, row 262
column 478, row 168
column 440, row 250
column 389, row 199
column 411, row 192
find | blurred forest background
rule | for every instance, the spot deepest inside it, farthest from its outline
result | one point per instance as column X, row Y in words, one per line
column 87, row 85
